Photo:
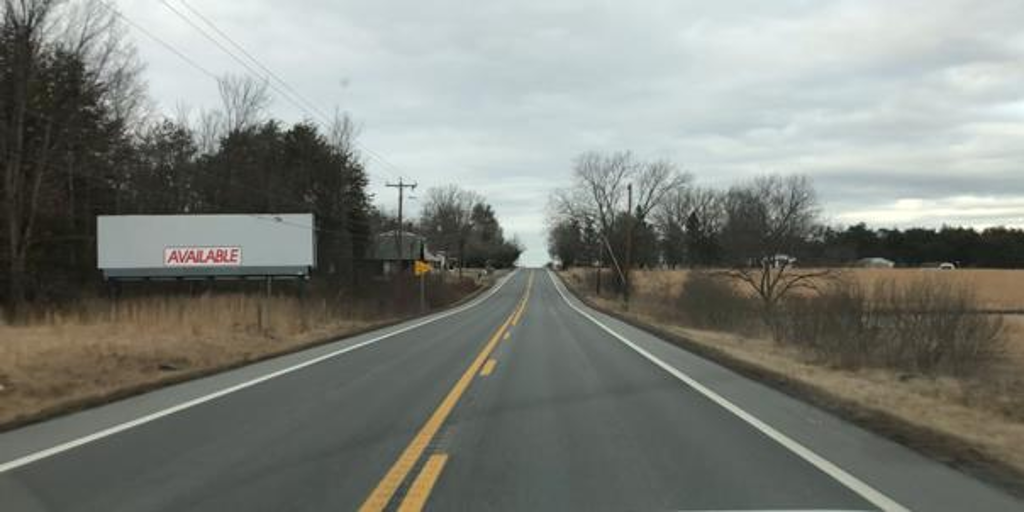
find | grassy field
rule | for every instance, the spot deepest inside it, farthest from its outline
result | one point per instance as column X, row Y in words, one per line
column 97, row 349
column 984, row 410
column 996, row 291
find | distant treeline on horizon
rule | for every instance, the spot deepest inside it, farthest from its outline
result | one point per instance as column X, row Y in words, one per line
column 995, row 247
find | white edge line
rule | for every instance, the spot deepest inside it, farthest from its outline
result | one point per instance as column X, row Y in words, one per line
column 867, row 492
column 121, row 427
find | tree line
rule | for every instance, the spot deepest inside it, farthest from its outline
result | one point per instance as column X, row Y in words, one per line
column 462, row 225
column 79, row 138
column 994, row 247
column 673, row 223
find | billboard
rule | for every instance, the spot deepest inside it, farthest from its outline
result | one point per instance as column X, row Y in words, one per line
column 204, row 246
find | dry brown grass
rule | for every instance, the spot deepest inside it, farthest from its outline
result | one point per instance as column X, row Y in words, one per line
column 1014, row 325
column 945, row 404
column 996, row 289
column 985, row 411
column 100, row 349
column 63, row 359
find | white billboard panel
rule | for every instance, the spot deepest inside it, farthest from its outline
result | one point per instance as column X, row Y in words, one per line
column 205, row 245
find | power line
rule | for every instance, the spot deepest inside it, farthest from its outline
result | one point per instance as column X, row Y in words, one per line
column 208, row 73
column 386, row 165
column 245, row 52
column 191, row 62
column 159, row 41
column 298, row 101
column 380, row 158
column 234, row 57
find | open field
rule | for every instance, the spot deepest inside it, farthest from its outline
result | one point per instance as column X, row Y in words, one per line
column 99, row 349
column 984, row 411
column 996, row 289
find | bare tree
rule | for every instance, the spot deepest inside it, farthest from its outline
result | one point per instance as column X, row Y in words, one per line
column 447, row 216
column 600, row 186
column 209, row 129
column 342, row 134
column 244, row 99
column 690, row 220
column 68, row 75
column 182, row 114
column 653, row 183
column 92, row 30
column 599, row 195
column 767, row 220
column 23, row 27
column 674, row 208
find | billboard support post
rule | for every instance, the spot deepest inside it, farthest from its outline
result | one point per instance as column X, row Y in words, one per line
column 265, row 304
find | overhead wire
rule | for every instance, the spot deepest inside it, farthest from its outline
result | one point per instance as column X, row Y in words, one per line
column 287, row 92
column 191, row 62
column 324, row 121
column 200, row 68
column 246, row 53
column 161, row 42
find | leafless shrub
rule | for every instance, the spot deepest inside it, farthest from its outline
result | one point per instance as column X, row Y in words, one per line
column 836, row 324
column 709, row 301
column 936, row 326
column 925, row 325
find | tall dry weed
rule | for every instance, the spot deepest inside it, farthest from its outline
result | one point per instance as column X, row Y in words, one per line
column 924, row 325
column 709, row 301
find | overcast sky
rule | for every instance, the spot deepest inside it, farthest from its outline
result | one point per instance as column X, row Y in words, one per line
column 904, row 113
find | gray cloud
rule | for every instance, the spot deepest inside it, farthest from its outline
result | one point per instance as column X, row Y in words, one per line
column 903, row 112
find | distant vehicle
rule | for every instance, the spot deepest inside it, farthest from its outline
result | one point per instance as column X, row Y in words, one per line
column 780, row 261
column 938, row 265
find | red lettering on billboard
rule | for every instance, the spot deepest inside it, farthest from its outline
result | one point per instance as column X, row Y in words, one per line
column 202, row 256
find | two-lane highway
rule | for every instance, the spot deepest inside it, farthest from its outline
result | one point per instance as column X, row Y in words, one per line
column 521, row 400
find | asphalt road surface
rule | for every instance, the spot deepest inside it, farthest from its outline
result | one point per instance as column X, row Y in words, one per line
column 522, row 399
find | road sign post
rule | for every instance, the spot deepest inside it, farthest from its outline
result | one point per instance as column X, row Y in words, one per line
column 421, row 268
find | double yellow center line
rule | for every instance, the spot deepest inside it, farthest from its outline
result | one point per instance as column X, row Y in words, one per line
column 418, row 493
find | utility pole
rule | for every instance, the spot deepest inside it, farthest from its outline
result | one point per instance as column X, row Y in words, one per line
column 629, row 243
column 401, row 186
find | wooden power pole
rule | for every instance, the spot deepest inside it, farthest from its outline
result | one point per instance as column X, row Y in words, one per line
column 629, row 243
column 401, row 186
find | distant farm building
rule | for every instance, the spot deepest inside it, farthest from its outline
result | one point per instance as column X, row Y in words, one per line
column 395, row 252
column 874, row 263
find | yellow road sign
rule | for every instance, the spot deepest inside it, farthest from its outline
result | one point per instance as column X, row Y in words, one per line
column 420, row 268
